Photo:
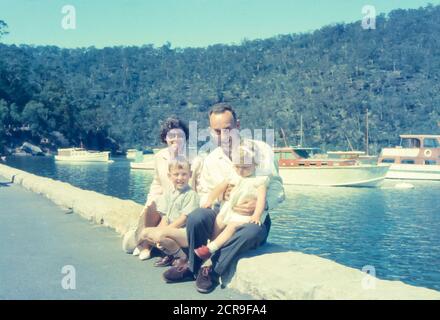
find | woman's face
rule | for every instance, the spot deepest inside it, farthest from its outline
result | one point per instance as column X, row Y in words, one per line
column 176, row 141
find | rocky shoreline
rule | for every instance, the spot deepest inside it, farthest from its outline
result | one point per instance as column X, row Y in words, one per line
column 29, row 149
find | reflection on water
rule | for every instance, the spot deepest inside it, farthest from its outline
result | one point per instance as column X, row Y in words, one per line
column 113, row 179
column 395, row 230
column 139, row 185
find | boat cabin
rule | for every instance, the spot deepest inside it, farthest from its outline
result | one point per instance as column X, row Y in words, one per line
column 359, row 156
column 306, row 157
column 345, row 154
column 71, row 152
column 68, row 152
column 413, row 149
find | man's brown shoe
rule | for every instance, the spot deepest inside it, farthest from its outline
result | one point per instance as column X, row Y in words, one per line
column 179, row 272
column 206, row 280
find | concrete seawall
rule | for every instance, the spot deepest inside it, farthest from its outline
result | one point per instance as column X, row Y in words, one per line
column 108, row 211
column 268, row 273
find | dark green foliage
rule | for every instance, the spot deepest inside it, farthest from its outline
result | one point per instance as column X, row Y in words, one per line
column 3, row 27
column 118, row 95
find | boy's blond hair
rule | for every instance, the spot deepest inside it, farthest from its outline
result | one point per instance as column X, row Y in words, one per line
column 179, row 163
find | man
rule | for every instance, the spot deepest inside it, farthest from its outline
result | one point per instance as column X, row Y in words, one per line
column 218, row 165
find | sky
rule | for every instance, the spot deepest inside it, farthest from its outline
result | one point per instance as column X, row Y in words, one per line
column 183, row 23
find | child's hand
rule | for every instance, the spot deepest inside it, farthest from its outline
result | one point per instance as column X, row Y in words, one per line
column 227, row 193
column 255, row 220
column 207, row 205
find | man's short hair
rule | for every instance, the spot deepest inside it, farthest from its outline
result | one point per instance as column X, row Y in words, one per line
column 179, row 163
column 222, row 107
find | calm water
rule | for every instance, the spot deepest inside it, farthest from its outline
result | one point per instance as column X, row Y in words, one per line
column 396, row 231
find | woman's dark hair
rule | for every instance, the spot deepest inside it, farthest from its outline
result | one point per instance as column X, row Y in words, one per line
column 170, row 124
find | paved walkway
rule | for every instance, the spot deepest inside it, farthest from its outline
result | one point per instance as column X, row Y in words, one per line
column 37, row 239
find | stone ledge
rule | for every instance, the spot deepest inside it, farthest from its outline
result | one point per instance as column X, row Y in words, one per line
column 267, row 273
column 278, row 274
column 120, row 215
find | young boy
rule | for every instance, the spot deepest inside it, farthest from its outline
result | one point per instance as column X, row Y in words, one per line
column 173, row 205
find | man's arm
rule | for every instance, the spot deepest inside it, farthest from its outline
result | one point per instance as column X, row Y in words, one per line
column 179, row 222
column 209, row 179
column 215, row 194
column 196, row 169
column 203, row 187
column 275, row 193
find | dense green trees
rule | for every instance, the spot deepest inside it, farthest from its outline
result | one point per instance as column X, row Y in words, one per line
column 3, row 28
column 116, row 96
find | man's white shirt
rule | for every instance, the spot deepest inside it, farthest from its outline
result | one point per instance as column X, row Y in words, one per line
column 217, row 167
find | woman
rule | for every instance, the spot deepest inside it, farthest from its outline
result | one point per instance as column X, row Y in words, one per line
column 175, row 134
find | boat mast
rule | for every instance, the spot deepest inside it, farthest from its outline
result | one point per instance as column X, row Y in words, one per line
column 349, row 143
column 284, row 137
column 366, row 135
column 301, row 132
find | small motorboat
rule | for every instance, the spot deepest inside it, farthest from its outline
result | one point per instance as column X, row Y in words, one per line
column 417, row 158
column 143, row 162
column 131, row 153
column 298, row 168
column 82, row 155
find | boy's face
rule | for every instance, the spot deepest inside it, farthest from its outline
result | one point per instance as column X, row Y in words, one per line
column 245, row 170
column 179, row 177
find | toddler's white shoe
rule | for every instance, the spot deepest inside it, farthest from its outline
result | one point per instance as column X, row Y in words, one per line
column 129, row 241
column 136, row 251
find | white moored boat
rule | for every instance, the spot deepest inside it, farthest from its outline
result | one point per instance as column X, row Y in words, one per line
column 417, row 158
column 82, row 155
column 143, row 162
column 142, row 165
column 300, row 170
column 360, row 156
column 131, row 153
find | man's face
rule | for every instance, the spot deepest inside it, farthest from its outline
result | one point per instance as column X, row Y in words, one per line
column 222, row 130
column 179, row 177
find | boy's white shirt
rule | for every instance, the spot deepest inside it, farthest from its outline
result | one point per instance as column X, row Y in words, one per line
column 217, row 167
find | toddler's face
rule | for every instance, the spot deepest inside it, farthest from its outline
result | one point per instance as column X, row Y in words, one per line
column 179, row 177
column 245, row 170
